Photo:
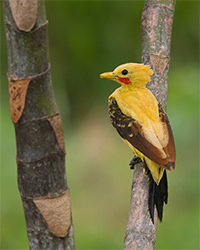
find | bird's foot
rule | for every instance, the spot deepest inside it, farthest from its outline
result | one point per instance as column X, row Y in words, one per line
column 135, row 160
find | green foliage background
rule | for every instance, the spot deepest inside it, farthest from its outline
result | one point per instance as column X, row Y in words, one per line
column 87, row 38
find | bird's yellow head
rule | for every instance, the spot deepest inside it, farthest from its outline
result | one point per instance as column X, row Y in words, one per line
column 130, row 75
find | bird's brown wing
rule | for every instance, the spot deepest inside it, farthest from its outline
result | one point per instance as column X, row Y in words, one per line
column 169, row 148
column 130, row 130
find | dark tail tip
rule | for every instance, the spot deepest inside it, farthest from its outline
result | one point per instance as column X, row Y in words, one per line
column 157, row 195
column 152, row 186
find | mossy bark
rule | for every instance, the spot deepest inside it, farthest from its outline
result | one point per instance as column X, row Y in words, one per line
column 39, row 135
column 156, row 28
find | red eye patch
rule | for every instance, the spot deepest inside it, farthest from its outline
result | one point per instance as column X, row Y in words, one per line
column 124, row 80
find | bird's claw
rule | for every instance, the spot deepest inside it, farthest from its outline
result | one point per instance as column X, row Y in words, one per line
column 135, row 160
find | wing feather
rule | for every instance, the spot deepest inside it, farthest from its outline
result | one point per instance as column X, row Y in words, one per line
column 169, row 147
column 148, row 143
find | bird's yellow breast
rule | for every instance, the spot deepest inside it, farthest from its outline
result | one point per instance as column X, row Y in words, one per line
column 138, row 103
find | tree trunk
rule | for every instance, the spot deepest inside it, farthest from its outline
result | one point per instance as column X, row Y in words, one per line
column 39, row 135
column 156, row 28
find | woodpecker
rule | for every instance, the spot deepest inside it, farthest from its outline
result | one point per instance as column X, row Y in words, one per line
column 143, row 124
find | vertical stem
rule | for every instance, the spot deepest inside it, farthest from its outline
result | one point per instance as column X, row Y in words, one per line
column 39, row 135
column 156, row 28
column 140, row 232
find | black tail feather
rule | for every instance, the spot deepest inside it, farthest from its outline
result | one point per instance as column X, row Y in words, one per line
column 158, row 194
column 151, row 201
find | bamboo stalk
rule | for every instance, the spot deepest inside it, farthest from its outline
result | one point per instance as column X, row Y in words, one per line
column 156, row 28
column 39, row 134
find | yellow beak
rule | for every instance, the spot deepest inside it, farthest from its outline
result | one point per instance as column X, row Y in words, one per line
column 108, row 75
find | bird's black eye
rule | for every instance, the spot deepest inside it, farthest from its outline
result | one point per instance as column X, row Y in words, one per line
column 124, row 72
